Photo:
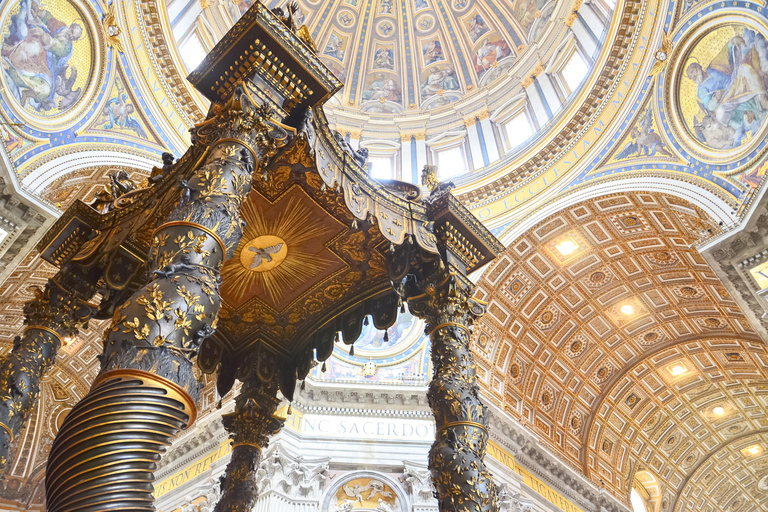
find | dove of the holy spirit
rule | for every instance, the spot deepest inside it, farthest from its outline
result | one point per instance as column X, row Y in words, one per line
column 264, row 254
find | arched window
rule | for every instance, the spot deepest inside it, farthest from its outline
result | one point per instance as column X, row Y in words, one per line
column 637, row 501
column 646, row 492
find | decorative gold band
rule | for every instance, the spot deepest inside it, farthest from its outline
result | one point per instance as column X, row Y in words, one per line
column 449, row 324
column 7, row 429
column 249, row 444
column 196, row 226
column 173, row 389
column 46, row 329
column 465, row 424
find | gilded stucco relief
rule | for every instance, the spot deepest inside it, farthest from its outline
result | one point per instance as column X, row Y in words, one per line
column 617, row 353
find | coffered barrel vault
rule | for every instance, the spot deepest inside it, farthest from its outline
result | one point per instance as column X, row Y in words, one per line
column 611, row 337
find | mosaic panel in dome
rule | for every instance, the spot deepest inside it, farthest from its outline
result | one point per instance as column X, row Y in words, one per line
column 47, row 55
column 722, row 96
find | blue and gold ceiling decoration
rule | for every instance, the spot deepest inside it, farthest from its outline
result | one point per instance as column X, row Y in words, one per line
column 707, row 109
column 64, row 90
column 408, row 57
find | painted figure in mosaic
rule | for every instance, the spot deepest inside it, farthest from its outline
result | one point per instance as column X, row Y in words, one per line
column 477, row 27
column 35, row 58
column 119, row 113
column 489, row 53
column 439, row 79
column 645, row 141
column 383, row 88
column 334, row 47
column 384, row 59
column 731, row 91
column 433, row 51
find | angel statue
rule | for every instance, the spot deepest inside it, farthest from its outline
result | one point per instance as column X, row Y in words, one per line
column 120, row 183
column 429, row 180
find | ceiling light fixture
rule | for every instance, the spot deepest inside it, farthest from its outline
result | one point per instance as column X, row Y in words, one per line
column 566, row 247
column 718, row 411
column 627, row 309
column 754, row 449
column 677, row 369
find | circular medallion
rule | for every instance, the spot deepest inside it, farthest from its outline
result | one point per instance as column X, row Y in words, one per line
column 425, row 23
column 48, row 58
column 263, row 253
column 346, row 17
column 597, row 277
column 385, row 28
column 576, row 423
column 651, row 337
column 717, row 91
column 515, row 371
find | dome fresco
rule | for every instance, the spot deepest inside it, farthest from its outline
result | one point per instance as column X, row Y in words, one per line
column 408, row 58
column 410, row 55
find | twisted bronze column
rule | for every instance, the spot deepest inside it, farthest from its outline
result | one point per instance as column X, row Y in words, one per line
column 54, row 314
column 461, row 479
column 104, row 455
column 250, row 427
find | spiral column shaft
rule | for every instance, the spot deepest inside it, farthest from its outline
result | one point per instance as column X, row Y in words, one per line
column 105, row 453
column 250, row 426
column 54, row 314
column 462, row 480
column 111, row 441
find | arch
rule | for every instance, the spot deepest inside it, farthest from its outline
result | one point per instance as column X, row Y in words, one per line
column 689, row 427
column 401, row 503
column 651, row 487
column 712, row 453
column 36, row 181
column 561, row 317
column 717, row 208
column 662, row 347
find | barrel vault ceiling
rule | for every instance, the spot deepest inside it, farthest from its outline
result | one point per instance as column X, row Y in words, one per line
column 627, row 354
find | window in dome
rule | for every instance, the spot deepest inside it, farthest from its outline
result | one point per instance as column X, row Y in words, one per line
column 574, row 71
column 381, row 167
column 611, row 3
column 518, row 129
column 451, row 162
column 192, row 52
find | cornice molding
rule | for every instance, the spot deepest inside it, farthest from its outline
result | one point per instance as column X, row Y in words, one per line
column 734, row 252
column 555, row 471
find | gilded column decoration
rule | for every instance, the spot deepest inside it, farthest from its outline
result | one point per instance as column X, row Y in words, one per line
column 437, row 289
column 105, row 452
column 461, row 479
column 250, row 426
column 54, row 314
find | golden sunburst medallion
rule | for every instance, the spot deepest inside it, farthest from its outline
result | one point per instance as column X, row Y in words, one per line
column 283, row 250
